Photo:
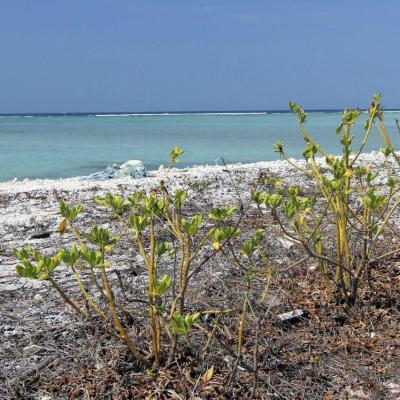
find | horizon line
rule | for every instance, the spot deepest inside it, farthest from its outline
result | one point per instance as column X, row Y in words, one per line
column 172, row 112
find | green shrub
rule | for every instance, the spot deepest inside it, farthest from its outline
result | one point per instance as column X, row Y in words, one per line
column 346, row 197
column 143, row 217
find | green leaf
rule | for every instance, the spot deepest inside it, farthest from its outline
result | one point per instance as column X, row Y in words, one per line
column 92, row 257
column 71, row 256
column 350, row 117
column 34, row 265
column 136, row 198
column 181, row 325
column 391, row 182
column 174, row 154
column 296, row 109
column 101, row 237
column 221, row 213
column 310, row 151
column 20, row 270
column 278, row 147
column 387, row 151
column 249, row 275
column 23, row 253
column 161, row 248
column 224, row 233
column 139, row 223
column 252, row 244
column 161, row 287
column 179, row 198
column 193, row 226
column 115, row 202
column 259, row 198
column 274, row 201
column 69, row 213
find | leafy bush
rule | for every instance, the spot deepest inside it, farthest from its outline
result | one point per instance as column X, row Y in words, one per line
column 144, row 218
column 346, row 197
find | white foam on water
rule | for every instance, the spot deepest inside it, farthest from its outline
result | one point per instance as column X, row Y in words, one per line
column 177, row 114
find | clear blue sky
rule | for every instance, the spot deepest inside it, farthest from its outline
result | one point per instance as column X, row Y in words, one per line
column 148, row 55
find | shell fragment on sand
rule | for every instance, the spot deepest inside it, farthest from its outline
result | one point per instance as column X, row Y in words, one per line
column 291, row 315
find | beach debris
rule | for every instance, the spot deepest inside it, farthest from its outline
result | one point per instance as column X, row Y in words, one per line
column 132, row 168
column 31, row 349
column 290, row 316
column 41, row 235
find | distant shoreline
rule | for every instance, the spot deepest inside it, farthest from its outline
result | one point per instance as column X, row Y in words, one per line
column 175, row 113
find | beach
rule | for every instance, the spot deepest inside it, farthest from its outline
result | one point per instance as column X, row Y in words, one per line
column 199, row 200
column 37, row 327
column 30, row 207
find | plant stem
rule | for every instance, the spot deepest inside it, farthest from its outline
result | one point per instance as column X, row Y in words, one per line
column 67, row 299
column 114, row 313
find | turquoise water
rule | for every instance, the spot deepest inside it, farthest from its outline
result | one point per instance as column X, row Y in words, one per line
column 57, row 146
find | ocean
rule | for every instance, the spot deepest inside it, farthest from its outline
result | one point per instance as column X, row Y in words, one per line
column 68, row 145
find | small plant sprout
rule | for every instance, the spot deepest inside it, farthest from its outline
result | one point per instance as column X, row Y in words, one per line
column 221, row 213
column 182, row 324
column 175, row 153
column 69, row 214
column 115, row 202
column 251, row 245
column 223, row 234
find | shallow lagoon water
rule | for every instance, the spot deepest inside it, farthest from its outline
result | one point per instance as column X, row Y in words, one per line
column 60, row 146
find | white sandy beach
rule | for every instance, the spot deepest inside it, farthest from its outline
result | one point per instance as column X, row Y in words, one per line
column 31, row 206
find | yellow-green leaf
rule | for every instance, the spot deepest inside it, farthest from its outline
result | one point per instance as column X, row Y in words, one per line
column 208, row 374
column 62, row 228
column 347, row 173
column 216, row 245
column 101, row 202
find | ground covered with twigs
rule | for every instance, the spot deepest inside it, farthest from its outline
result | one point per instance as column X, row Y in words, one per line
column 331, row 351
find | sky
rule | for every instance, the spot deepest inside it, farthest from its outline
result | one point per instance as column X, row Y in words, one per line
column 185, row 55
